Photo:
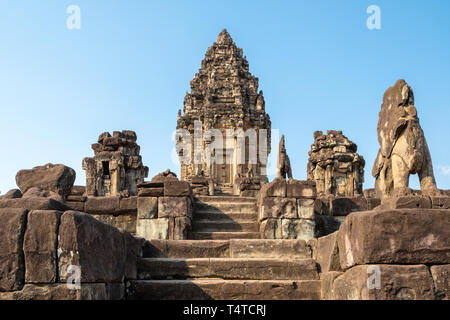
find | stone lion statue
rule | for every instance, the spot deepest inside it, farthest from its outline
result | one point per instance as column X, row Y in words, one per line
column 403, row 148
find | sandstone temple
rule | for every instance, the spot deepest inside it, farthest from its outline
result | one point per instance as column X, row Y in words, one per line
column 222, row 229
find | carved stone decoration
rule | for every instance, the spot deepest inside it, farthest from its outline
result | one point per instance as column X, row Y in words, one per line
column 117, row 167
column 403, row 147
column 284, row 164
column 335, row 166
column 224, row 96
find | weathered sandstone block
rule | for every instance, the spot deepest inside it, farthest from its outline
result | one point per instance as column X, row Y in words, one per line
column 397, row 282
column 345, row 206
column 34, row 204
column 11, row 194
column 57, row 178
column 174, row 188
column 402, row 236
column 40, row 246
column 147, row 207
column 102, row 205
column 441, row 278
column 273, row 207
column 12, row 268
column 153, row 228
column 305, row 209
column 174, row 207
column 327, row 253
column 97, row 248
column 301, row 189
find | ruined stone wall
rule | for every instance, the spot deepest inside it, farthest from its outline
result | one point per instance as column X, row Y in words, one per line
column 40, row 242
column 335, row 166
column 286, row 209
column 117, row 167
column 164, row 208
column 387, row 255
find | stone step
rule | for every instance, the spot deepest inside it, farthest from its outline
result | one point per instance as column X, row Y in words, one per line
column 225, row 207
column 235, row 248
column 217, row 289
column 218, row 226
column 227, row 268
column 223, row 235
column 228, row 199
column 218, row 215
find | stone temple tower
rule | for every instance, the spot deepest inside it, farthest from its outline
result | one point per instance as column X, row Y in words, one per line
column 224, row 97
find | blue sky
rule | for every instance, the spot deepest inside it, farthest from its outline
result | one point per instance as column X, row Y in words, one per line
column 130, row 64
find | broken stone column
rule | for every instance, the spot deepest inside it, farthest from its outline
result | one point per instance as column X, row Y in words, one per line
column 117, row 167
column 165, row 208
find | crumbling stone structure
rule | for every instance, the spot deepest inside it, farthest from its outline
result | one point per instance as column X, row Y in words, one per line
column 403, row 147
column 164, row 208
column 335, row 166
column 117, row 167
column 224, row 95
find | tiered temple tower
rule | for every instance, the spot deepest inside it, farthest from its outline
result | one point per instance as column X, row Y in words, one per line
column 224, row 95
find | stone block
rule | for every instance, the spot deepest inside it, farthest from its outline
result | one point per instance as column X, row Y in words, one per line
column 440, row 202
column 77, row 198
column 326, row 225
column 60, row 291
column 345, row 206
column 181, row 228
column 372, row 203
column 150, row 229
column 98, row 249
column 402, row 236
column 327, row 280
column 175, row 188
column 249, row 248
column 274, row 207
column 124, row 221
column 441, row 278
column 305, row 209
column 12, row 267
column 322, row 206
column 174, row 207
column 102, row 205
column 301, row 189
column 128, row 204
column 147, row 208
column 327, row 253
column 40, row 246
column 396, row 282
column 406, row 202
column 57, row 178
column 34, row 204
column 297, row 229
column 276, row 188
column 12, row 194
column 151, row 192
column 271, row 229
column 75, row 205
column 133, row 250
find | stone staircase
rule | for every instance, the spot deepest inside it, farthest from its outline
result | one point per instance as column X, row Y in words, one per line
column 224, row 217
column 232, row 269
